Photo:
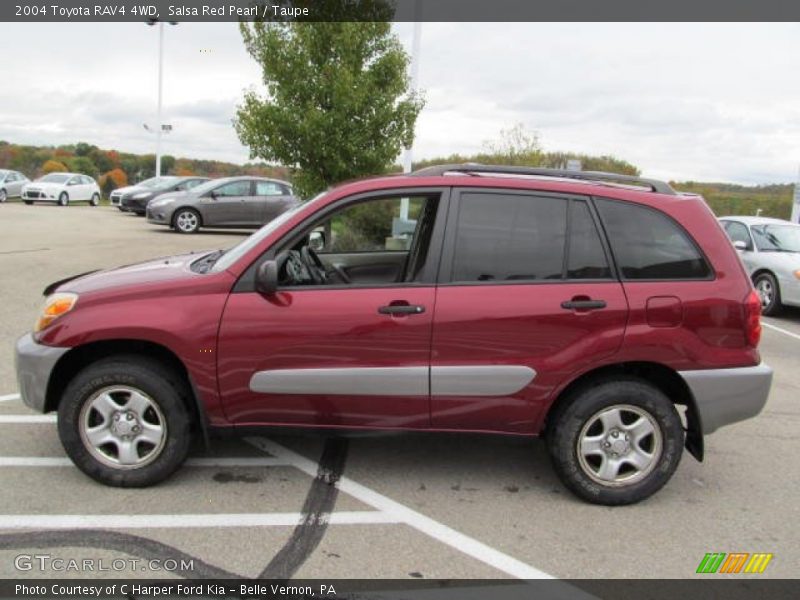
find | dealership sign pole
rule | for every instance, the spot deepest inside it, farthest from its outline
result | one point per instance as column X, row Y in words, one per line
column 796, row 204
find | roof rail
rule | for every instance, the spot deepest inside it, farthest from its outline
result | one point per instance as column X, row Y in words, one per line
column 655, row 185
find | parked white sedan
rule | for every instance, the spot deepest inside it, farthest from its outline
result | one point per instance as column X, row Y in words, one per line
column 62, row 188
column 11, row 183
column 770, row 250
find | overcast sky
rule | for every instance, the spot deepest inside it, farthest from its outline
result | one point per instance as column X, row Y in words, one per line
column 681, row 101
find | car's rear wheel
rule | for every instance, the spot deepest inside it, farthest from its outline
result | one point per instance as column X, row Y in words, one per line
column 186, row 220
column 63, row 199
column 616, row 441
column 123, row 422
column 769, row 292
column 95, row 200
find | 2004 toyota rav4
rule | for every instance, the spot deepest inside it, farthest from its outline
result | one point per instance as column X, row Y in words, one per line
column 609, row 314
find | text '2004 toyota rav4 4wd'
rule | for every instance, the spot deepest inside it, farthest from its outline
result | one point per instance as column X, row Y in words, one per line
column 609, row 314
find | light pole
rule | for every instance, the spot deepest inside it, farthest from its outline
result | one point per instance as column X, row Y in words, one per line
column 160, row 127
column 415, row 44
column 795, row 218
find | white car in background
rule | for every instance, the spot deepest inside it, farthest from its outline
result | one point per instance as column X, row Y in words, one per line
column 11, row 183
column 62, row 188
column 770, row 250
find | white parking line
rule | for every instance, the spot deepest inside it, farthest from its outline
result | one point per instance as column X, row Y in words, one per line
column 9, row 397
column 179, row 521
column 403, row 514
column 781, row 329
column 59, row 461
column 20, row 419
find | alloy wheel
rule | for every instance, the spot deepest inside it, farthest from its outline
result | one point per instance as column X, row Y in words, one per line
column 619, row 445
column 122, row 427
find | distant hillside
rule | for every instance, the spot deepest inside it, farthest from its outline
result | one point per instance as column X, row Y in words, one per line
column 774, row 200
column 114, row 169
column 730, row 199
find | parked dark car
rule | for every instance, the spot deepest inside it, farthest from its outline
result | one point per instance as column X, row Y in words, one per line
column 616, row 321
column 115, row 196
column 136, row 200
column 239, row 202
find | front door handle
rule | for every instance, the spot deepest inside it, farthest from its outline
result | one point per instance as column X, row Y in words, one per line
column 580, row 304
column 401, row 309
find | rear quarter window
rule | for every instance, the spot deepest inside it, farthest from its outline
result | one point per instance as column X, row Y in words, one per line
column 649, row 245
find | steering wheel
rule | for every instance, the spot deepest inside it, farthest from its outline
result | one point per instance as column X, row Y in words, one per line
column 314, row 264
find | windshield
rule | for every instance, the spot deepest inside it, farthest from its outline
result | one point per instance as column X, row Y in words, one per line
column 164, row 183
column 208, row 186
column 154, row 182
column 55, row 178
column 777, row 238
column 235, row 253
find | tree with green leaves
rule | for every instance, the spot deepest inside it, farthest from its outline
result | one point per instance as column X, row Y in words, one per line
column 338, row 104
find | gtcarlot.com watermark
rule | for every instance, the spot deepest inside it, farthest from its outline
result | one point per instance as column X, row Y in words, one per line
column 68, row 564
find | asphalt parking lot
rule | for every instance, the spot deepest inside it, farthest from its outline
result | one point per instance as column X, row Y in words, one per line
column 421, row 506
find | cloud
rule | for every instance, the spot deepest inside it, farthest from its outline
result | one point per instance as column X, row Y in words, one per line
column 682, row 101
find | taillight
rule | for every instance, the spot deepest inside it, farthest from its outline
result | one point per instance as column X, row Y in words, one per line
column 752, row 317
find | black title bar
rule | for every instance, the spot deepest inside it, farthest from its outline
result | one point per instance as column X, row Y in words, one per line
column 400, row 10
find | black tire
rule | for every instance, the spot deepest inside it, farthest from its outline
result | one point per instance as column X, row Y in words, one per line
column 95, row 200
column 3, row 196
column 186, row 220
column 578, row 414
column 161, row 387
column 769, row 291
column 63, row 199
column 28, row 202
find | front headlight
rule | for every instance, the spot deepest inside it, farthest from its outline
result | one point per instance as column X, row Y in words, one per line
column 159, row 202
column 55, row 305
column 140, row 196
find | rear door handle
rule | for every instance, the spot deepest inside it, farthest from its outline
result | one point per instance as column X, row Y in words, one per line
column 401, row 309
column 583, row 304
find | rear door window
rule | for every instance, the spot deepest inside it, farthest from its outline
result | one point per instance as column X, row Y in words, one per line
column 268, row 188
column 509, row 237
column 648, row 245
column 586, row 257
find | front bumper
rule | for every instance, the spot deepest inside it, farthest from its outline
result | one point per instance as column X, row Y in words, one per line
column 725, row 396
column 131, row 204
column 34, row 363
column 159, row 215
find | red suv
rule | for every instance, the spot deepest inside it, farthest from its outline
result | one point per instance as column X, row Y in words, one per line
column 609, row 314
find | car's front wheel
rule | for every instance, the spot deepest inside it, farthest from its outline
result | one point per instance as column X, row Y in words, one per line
column 186, row 220
column 616, row 441
column 770, row 294
column 123, row 422
column 63, row 199
column 3, row 196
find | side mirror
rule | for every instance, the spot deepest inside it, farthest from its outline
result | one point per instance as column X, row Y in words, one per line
column 267, row 278
column 740, row 245
column 316, row 240
column 213, row 194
